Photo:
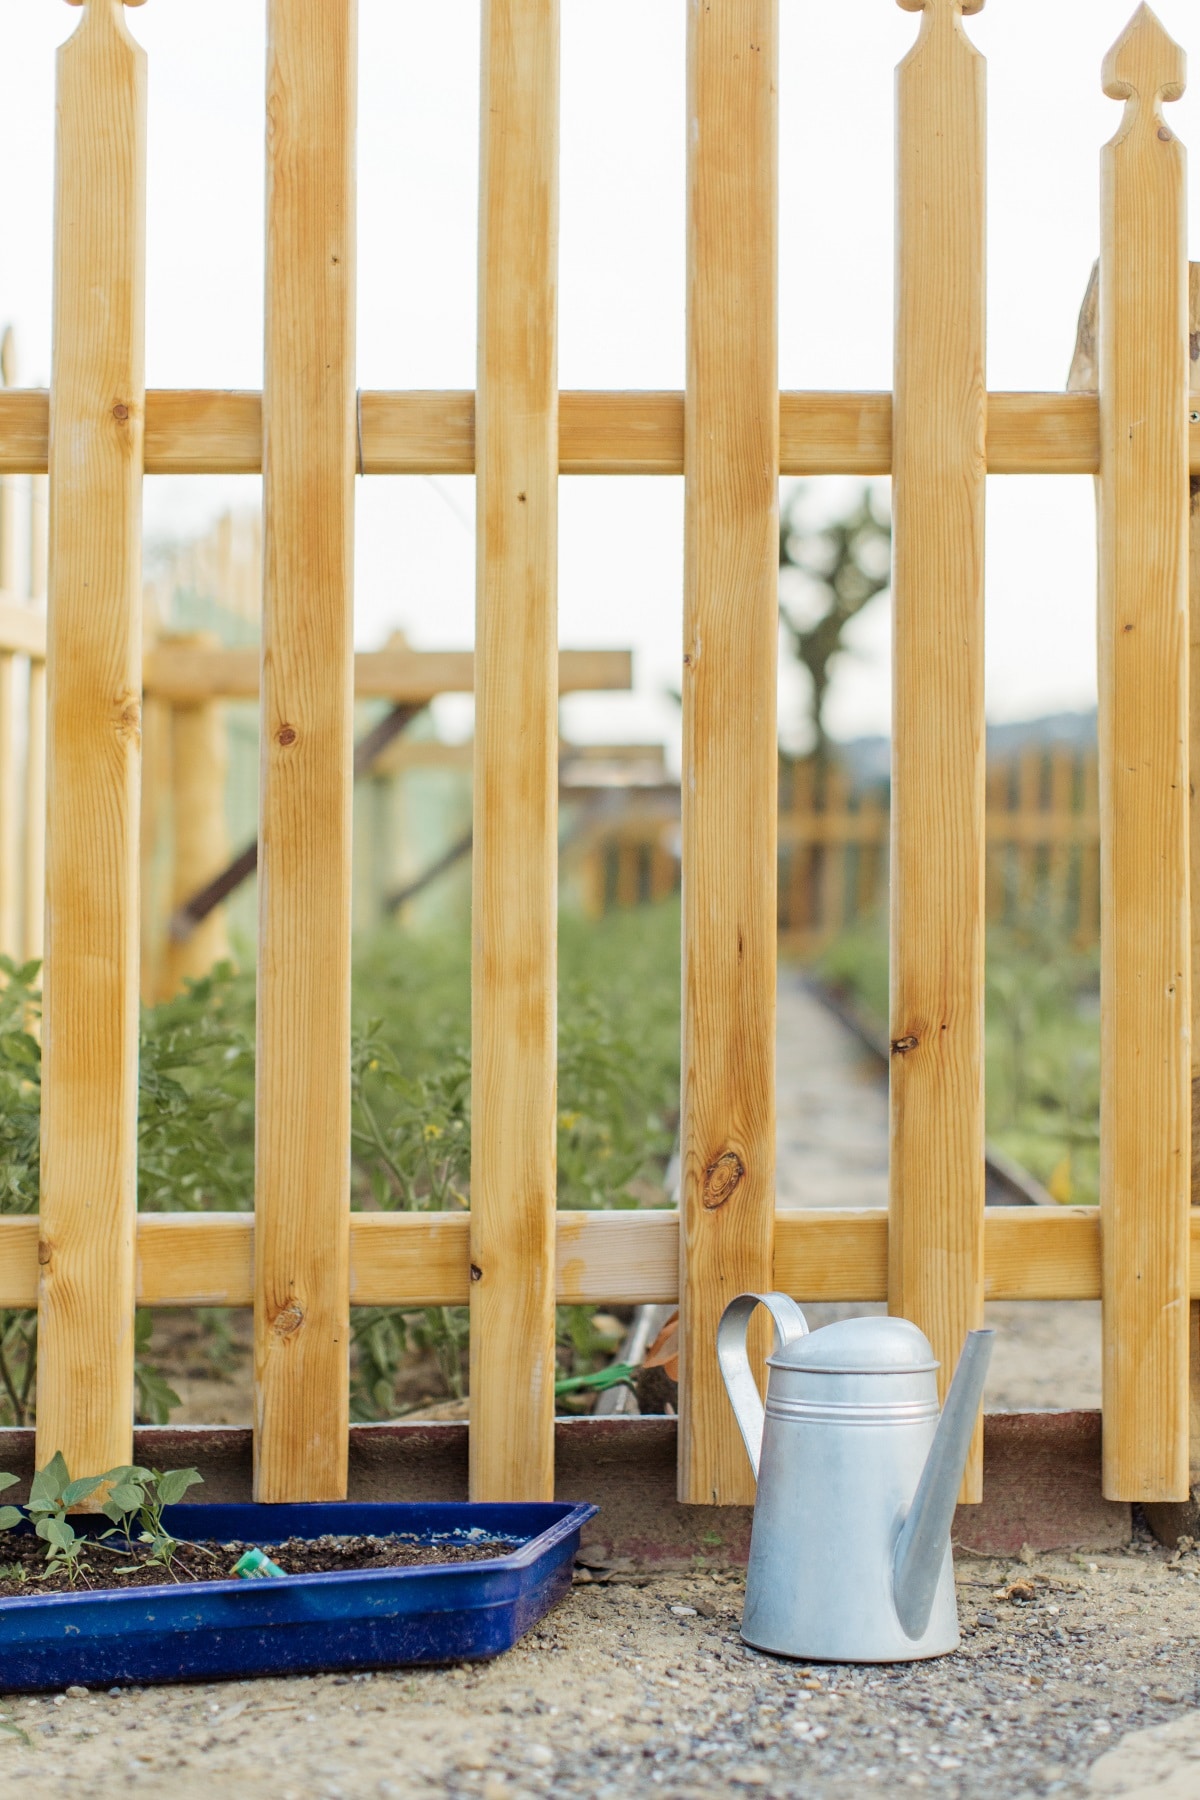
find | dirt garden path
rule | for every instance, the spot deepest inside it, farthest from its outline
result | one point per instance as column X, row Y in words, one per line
column 647, row 1690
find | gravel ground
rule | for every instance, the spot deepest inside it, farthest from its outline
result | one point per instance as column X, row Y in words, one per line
column 646, row 1689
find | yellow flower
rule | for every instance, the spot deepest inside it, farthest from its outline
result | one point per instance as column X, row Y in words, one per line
column 433, row 1131
column 1059, row 1183
column 568, row 1121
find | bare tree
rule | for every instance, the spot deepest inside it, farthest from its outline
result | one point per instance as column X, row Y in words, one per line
column 829, row 571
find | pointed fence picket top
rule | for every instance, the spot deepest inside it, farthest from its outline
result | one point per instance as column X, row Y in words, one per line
column 94, row 649
column 1142, row 498
column 939, row 420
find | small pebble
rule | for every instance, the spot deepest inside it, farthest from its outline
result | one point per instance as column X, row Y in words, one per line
column 77, row 1693
column 684, row 1612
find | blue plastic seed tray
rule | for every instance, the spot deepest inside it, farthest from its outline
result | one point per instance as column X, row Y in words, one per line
column 357, row 1619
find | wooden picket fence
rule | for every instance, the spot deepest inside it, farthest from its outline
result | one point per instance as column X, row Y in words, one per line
column 302, row 1260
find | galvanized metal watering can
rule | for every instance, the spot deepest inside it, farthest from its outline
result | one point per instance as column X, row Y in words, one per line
column 857, row 1480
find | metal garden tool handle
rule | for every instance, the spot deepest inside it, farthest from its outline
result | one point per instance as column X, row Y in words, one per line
column 740, row 1384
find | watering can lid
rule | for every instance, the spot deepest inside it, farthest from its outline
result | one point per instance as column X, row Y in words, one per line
column 863, row 1346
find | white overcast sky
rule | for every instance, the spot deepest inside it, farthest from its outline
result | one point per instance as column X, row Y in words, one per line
column 622, row 266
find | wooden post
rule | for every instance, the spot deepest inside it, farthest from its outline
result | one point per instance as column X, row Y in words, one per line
column 514, row 965
column 935, row 1234
column 730, row 748
column 94, row 648
column 1029, row 793
column 302, row 1177
column 199, row 764
column 1061, row 851
column 1143, row 687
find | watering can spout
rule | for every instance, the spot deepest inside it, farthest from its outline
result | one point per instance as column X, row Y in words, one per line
column 921, row 1546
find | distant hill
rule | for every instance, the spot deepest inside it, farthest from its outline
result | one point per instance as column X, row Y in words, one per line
column 869, row 759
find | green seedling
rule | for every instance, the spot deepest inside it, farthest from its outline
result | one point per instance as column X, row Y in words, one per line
column 137, row 1498
column 9, row 1515
column 51, row 1497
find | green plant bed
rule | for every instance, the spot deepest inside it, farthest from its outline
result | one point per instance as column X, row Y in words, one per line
column 1042, row 1044
column 618, row 1088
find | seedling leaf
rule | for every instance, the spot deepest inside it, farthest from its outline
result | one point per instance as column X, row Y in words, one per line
column 7, row 1481
column 46, row 1490
column 75, row 1491
column 9, row 1516
column 173, row 1484
column 57, row 1532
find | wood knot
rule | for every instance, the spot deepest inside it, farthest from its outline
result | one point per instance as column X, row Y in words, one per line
column 902, row 1045
column 286, row 735
column 120, row 412
column 722, row 1179
column 476, row 1272
column 45, row 1252
column 129, row 718
column 288, row 1319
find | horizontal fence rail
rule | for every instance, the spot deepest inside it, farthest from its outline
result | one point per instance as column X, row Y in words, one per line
column 197, row 431
column 614, row 1258
column 1108, row 846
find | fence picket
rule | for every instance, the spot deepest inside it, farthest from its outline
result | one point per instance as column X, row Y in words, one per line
column 1143, row 679
column 730, row 760
column 514, row 1074
column 94, row 647
column 302, row 1197
column 935, row 1245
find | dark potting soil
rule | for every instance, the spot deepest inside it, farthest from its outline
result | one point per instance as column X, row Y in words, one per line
column 23, row 1561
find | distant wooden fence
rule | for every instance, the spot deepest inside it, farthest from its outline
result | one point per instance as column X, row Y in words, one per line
column 1042, row 864
column 303, row 1260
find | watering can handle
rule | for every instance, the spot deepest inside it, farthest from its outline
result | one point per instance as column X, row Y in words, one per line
column 740, row 1384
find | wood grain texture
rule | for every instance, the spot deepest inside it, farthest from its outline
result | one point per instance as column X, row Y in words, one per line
column 423, row 1259
column 935, row 1268
column 302, row 1197
column 90, row 980
column 730, row 756
column 205, row 431
column 186, row 677
column 514, row 868
column 1145, row 1084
